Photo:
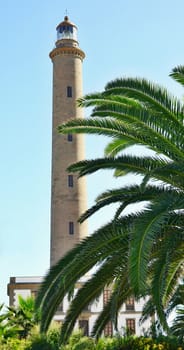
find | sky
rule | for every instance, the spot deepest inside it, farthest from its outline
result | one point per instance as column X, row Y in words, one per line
column 120, row 38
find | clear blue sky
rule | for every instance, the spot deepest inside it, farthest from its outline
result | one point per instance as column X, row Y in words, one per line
column 133, row 38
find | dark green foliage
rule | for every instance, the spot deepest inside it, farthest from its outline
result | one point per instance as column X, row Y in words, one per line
column 18, row 321
column 75, row 338
column 141, row 253
column 178, row 325
column 14, row 344
column 53, row 337
column 78, row 342
column 115, row 343
column 40, row 342
column 84, row 344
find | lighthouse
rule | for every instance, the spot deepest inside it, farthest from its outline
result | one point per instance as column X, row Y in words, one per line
column 68, row 197
column 68, row 194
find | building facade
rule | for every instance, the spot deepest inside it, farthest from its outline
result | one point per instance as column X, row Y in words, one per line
column 128, row 318
column 68, row 194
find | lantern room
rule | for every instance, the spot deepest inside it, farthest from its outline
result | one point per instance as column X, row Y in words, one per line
column 66, row 30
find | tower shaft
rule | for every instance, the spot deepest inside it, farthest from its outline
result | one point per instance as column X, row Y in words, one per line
column 68, row 194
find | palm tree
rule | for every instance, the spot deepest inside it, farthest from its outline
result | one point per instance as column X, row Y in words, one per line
column 140, row 253
column 22, row 318
column 6, row 331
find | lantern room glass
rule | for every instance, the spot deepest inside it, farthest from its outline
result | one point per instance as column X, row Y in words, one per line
column 66, row 31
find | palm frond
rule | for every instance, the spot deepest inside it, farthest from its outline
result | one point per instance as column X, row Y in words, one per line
column 125, row 195
column 148, row 310
column 143, row 118
column 139, row 135
column 178, row 325
column 177, row 74
column 146, row 231
column 150, row 94
column 93, row 249
column 99, row 98
column 155, row 167
column 177, row 298
column 120, row 292
column 90, row 291
column 116, row 146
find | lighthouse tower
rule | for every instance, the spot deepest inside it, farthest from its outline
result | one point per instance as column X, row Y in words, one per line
column 68, row 194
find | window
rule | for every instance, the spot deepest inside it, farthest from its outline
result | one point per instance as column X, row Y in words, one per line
column 68, row 28
column 71, row 228
column 106, row 296
column 130, row 325
column 84, row 325
column 70, row 180
column 130, row 304
column 69, row 91
column 70, row 137
column 108, row 330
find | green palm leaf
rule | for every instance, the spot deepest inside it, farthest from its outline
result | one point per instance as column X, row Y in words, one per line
column 150, row 260
column 148, row 93
column 120, row 292
column 178, row 74
column 93, row 249
column 91, row 290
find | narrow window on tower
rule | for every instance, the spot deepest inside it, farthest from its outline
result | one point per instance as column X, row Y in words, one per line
column 70, row 180
column 69, row 91
column 71, row 228
column 70, row 137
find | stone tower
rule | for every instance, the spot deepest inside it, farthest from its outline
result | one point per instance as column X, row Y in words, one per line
column 68, row 194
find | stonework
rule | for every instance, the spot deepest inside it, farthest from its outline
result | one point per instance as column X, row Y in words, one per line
column 67, row 202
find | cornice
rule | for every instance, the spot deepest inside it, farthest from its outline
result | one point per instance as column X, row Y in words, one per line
column 75, row 51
